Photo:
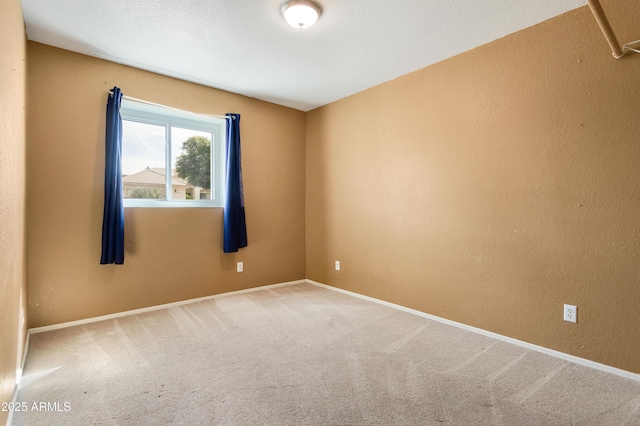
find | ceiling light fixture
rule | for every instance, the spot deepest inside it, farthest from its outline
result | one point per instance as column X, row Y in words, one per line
column 301, row 13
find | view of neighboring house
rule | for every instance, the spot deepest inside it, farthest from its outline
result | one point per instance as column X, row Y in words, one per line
column 150, row 183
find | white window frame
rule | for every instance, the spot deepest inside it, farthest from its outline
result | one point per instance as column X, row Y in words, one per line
column 172, row 117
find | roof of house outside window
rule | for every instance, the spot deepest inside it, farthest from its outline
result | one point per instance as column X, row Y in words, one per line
column 152, row 176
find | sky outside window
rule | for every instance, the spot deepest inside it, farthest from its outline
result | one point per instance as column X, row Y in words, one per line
column 143, row 145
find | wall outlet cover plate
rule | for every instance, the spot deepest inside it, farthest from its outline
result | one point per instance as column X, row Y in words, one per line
column 570, row 313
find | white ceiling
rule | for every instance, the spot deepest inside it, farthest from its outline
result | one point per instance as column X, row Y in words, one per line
column 246, row 47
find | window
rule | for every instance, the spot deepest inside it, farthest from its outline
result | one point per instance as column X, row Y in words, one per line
column 170, row 157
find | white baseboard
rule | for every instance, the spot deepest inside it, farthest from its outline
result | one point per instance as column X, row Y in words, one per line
column 157, row 307
column 570, row 358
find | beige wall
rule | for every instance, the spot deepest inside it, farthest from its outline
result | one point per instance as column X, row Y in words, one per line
column 492, row 188
column 67, row 98
column 13, row 272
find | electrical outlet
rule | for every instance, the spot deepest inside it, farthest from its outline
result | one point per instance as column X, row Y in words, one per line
column 240, row 267
column 337, row 265
column 570, row 313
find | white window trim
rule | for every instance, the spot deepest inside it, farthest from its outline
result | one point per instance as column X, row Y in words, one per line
column 172, row 117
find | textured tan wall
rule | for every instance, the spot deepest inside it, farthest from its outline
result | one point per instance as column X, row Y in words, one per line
column 492, row 188
column 171, row 254
column 13, row 272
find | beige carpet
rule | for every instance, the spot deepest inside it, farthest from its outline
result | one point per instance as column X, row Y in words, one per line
column 304, row 355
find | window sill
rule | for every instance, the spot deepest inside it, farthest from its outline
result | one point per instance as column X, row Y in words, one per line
column 157, row 204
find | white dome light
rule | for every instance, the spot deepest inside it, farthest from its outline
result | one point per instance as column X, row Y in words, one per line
column 301, row 13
